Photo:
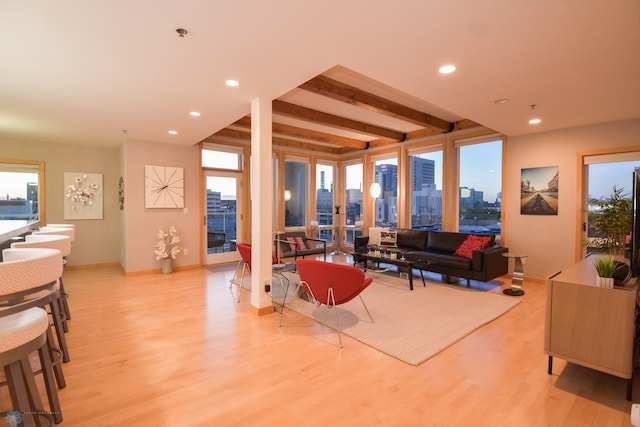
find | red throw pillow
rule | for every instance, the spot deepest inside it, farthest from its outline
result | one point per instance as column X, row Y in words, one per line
column 300, row 242
column 471, row 243
column 296, row 243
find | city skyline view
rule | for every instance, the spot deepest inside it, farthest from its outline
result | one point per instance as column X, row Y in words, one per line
column 13, row 185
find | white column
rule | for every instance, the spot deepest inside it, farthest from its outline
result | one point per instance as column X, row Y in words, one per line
column 261, row 202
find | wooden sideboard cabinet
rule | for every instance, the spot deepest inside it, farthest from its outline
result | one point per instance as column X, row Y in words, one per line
column 589, row 325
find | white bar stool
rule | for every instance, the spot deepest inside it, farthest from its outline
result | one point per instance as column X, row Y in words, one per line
column 61, row 231
column 63, row 244
column 29, row 279
column 67, row 231
column 21, row 334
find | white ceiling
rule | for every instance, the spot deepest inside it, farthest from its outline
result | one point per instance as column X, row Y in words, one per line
column 78, row 71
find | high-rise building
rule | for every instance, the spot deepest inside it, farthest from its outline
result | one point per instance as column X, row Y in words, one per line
column 423, row 172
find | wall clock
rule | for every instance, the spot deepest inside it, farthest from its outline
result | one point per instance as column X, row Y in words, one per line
column 163, row 187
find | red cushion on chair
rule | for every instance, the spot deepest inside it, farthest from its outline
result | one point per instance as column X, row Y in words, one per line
column 345, row 280
column 471, row 243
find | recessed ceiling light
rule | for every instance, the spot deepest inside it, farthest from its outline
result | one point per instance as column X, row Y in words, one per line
column 447, row 69
column 232, row 83
column 535, row 121
column 195, row 113
column 173, row 132
column 501, row 101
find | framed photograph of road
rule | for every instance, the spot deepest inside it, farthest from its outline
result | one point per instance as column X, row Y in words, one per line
column 539, row 191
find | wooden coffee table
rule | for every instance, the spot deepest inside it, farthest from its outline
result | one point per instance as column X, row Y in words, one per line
column 400, row 263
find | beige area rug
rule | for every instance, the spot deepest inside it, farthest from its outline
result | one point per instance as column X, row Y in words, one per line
column 412, row 326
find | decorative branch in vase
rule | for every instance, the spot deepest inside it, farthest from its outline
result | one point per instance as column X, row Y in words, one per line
column 167, row 248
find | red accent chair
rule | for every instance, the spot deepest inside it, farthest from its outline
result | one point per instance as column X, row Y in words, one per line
column 332, row 284
column 245, row 262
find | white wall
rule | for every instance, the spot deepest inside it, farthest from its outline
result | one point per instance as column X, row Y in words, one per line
column 141, row 225
column 550, row 241
column 98, row 241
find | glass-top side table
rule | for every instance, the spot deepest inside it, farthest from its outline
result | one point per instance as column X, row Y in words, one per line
column 518, row 274
column 279, row 270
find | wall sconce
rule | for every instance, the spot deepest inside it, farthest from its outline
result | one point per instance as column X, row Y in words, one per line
column 375, row 190
column 287, row 195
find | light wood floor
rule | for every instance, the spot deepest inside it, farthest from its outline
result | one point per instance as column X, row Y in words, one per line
column 177, row 350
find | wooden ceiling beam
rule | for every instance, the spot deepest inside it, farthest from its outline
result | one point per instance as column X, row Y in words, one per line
column 284, row 142
column 245, row 136
column 343, row 92
column 307, row 114
column 234, row 134
column 307, row 134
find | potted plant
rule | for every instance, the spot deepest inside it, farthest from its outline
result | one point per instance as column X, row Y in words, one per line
column 606, row 267
column 394, row 253
column 612, row 221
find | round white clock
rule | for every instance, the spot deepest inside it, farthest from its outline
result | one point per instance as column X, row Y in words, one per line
column 163, row 187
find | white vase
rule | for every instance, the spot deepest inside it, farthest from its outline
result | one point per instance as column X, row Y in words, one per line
column 167, row 265
column 605, row 282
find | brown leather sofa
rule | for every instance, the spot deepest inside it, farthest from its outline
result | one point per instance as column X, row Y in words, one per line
column 434, row 251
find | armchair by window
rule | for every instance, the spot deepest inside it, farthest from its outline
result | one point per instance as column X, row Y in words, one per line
column 294, row 244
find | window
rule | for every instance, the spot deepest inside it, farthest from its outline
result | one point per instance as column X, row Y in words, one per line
column 221, row 157
column 324, row 194
column 295, row 194
column 480, row 184
column 603, row 172
column 386, row 206
column 426, row 190
column 20, row 187
column 324, row 201
column 353, row 197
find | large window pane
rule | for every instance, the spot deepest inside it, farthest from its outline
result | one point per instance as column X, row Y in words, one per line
column 324, row 201
column 480, row 187
column 353, row 199
column 386, row 206
column 602, row 178
column 353, row 179
column 221, row 213
column 19, row 187
column 426, row 191
column 295, row 185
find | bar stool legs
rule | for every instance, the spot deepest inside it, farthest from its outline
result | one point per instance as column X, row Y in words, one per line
column 22, row 334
